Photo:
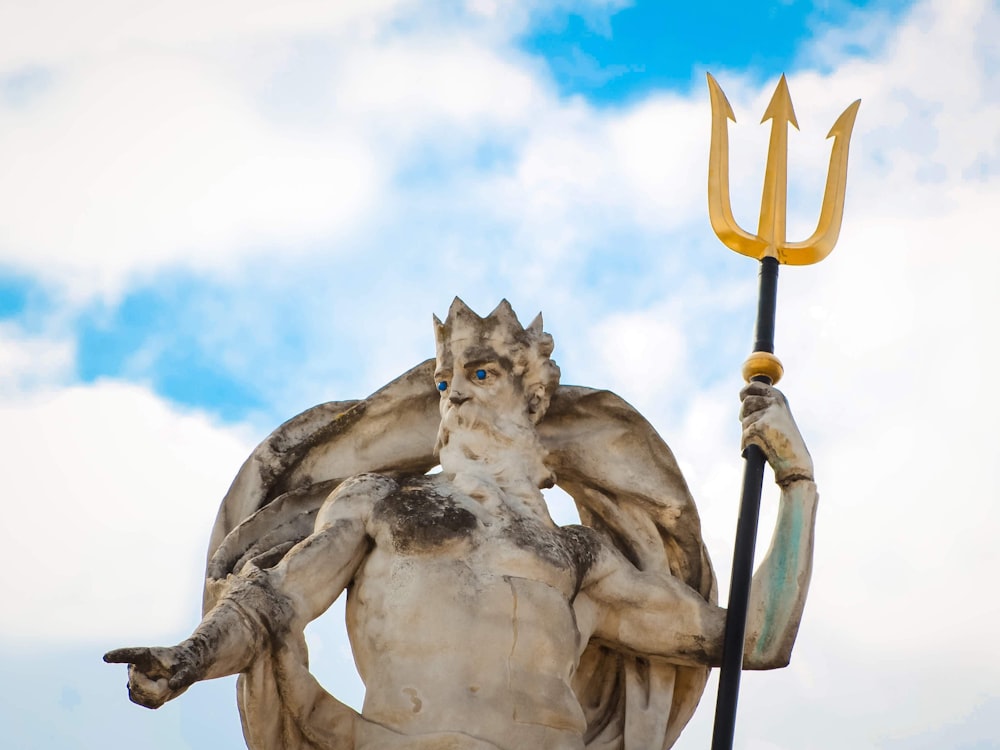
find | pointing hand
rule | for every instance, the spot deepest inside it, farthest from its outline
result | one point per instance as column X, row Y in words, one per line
column 155, row 674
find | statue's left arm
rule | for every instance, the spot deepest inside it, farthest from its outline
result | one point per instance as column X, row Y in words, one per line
column 656, row 614
column 261, row 607
column 780, row 584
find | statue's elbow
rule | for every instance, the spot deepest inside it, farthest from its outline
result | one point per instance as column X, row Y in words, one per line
column 772, row 655
column 776, row 661
column 771, row 632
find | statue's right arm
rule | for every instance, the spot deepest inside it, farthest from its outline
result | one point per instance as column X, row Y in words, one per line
column 654, row 613
column 260, row 605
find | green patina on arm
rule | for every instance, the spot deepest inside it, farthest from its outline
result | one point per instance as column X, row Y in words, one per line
column 782, row 580
column 783, row 558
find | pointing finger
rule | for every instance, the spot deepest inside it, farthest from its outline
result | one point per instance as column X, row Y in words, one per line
column 139, row 656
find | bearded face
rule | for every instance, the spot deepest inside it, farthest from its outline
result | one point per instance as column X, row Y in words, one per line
column 481, row 395
column 495, row 378
column 487, row 424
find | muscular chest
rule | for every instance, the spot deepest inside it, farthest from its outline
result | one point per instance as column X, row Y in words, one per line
column 419, row 525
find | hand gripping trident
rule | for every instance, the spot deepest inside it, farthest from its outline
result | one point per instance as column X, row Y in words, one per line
column 770, row 247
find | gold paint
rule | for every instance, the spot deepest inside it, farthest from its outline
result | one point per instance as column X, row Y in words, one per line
column 770, row 240
column 763, row 363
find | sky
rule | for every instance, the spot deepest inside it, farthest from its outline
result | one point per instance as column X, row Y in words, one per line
column 216, row 214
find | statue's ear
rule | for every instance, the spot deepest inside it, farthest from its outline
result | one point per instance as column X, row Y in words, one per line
column 538, row 401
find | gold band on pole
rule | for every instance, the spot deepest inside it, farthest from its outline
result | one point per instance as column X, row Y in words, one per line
column 763, row 363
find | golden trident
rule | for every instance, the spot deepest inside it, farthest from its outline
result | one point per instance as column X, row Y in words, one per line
column 770, row 242
column 770, row 237
column 771, row 248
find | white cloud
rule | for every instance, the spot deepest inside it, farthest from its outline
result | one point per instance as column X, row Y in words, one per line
column 159, row 144
column 436, row 79
column 27, row 361
column 32, row 36
column 163, row 164
column 109, row 497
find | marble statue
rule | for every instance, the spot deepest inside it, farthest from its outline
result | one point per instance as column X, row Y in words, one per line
column 476, row 622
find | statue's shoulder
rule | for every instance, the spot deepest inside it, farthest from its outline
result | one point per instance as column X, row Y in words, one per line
column 370, row 485
column 382, row 493
column 356, row 497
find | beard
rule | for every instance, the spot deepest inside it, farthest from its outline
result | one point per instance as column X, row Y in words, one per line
column 473, row 437
column 472, row 418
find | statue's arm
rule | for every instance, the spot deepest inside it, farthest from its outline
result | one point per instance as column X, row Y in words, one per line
column 648, row 613
column 260, row 605
column 655, row 614
column 781, row 582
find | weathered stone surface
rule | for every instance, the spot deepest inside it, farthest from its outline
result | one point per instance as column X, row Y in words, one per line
column 476, row 621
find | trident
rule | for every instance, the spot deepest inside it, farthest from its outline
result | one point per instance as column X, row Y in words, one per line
column 770, row 247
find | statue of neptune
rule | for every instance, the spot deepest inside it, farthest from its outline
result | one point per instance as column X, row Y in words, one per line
column 477, row 623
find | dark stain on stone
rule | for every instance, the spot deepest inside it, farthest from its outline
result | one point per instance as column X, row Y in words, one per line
column 421, row 519
column 547, row 543
column 568, row 547
column 584, row 546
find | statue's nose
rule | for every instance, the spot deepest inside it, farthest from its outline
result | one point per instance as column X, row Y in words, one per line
column 457, row 397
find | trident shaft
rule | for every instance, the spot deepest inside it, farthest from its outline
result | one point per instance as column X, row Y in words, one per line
column 770, row 247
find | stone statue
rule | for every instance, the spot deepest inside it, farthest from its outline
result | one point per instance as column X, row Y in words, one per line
column 476, row 622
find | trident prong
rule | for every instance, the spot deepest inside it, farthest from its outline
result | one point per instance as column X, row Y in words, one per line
column 819, row 245
column 770, row 241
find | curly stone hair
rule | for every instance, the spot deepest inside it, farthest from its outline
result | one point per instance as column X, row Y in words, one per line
column 529, row 349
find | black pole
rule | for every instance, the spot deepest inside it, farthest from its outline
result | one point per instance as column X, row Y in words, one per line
column 746, row 533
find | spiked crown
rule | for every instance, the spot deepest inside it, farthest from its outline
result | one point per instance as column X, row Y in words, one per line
column 529, row 348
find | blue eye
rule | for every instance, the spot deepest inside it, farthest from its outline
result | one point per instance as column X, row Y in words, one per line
column 443, row 385
column 480, row 374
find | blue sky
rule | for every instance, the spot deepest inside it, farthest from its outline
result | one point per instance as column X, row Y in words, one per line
column 647, row 46
column 214, row 215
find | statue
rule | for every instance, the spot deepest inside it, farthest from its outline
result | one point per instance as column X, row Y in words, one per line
column 476, row 622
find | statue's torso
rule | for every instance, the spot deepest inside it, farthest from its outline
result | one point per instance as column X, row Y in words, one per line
column 461, row 619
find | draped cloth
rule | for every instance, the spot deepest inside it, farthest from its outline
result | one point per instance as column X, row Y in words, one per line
column 622, row 476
